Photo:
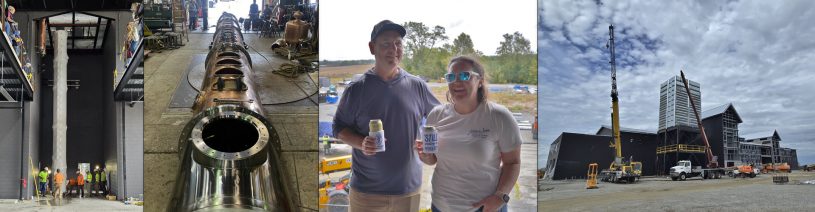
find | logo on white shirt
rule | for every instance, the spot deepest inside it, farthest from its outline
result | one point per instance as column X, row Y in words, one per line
column 482, row 133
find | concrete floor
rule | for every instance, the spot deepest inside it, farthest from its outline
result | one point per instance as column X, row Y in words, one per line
column 67, row 204
column 295, row 122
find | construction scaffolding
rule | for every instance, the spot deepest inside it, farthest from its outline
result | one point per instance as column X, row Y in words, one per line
column 730, row 138
column 678, row 143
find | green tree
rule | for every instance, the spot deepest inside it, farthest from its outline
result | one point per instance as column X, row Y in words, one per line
column 425, row 50
column 514, row 43
column 515, row 63
column 463, row 45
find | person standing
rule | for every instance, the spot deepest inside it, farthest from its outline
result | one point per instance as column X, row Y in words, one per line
column 254, row 16
column 103, row 186
column 97, row 183
column 89, row 182
column 92, row 176
column 193, row 11
column 389, row 180
column 59, row 180
column 80, row 183
column 43, row 175
column 479, row 155
column 326, row 144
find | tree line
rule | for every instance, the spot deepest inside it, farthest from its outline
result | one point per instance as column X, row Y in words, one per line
column 427, row 53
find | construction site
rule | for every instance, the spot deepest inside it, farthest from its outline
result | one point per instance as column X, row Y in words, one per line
column 71, row 99
column 231, row 105
column 705, row 149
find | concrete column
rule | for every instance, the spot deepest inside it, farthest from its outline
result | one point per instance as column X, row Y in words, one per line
column 60, row 103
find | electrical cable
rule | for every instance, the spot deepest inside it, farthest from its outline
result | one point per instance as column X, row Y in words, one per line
column 308, row 96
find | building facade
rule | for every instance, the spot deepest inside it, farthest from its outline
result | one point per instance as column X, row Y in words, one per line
column 722, row 128
column 750, row 153
column 771, row 150
column 571, row 153
column 674, row 107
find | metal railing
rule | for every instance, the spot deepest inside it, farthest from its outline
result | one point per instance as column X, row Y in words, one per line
column 682, row 148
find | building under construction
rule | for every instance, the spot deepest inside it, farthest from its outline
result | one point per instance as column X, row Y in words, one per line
column 677, row 139
column 70, row 95
column 571, row 153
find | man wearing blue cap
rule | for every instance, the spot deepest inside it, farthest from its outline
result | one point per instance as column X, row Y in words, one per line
column 389, row 180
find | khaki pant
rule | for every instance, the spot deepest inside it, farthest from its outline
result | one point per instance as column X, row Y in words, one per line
column 58, row 190
column 362, row 202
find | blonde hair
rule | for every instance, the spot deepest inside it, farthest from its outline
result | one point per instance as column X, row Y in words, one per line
column 478, row 68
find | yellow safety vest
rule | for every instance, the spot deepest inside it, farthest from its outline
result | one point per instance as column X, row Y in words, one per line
column 43, row 177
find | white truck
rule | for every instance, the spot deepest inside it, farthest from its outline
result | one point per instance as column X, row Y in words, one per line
column 683, row 170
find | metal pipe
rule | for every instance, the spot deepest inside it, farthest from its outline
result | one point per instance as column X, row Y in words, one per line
column 23, row 143
column 229, row 150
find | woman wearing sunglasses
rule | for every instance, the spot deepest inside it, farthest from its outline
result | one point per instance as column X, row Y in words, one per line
column 479, row 154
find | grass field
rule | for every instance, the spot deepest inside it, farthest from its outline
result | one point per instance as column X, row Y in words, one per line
column 338, row 73
column 515, row 102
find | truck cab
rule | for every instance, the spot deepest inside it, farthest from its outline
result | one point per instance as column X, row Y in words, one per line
column 682, row 170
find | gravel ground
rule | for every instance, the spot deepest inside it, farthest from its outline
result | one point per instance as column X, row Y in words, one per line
column 662, row 194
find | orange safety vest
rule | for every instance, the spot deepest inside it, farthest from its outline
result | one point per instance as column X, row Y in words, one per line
column 59, row 178
column 80, row 180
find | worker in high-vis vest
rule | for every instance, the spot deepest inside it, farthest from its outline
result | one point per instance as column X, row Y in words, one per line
column 59, row 180
column 103, row 186
column 326, row 144
column 88, row 182
column 43, row 175
column 93, row 183
column 97, row 181
column 80, row 183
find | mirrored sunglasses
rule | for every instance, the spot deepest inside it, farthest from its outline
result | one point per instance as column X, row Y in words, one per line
column 462, row 76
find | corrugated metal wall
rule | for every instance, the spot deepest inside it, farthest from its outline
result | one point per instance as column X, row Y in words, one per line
column 10, row 143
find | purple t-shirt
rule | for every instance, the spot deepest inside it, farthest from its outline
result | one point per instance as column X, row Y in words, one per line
column 401, row 103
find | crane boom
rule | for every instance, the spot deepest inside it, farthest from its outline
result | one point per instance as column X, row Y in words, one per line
column 712, row 161
column 615, row 109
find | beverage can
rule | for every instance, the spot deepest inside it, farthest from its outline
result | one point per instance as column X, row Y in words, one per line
column 376, row 131
column 430, row 142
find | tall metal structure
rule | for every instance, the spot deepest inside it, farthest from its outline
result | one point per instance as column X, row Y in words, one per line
column 615, row 108
column 713, row 162
column 619, row 170
column 229, row 151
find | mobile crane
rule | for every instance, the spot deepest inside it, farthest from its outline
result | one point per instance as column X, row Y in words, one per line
column 683, row 168
column 619, row 170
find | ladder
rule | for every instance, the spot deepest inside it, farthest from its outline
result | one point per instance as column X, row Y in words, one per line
column 591, row 180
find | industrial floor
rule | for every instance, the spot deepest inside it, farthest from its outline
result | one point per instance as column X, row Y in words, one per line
column 291, row 109
column 67, row 204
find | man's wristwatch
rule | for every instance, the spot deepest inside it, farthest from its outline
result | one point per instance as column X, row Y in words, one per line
column 504, row 197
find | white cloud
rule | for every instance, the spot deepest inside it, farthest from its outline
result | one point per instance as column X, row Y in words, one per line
column 756, row 54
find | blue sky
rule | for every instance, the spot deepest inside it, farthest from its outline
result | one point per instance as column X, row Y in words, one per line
column 758, row 55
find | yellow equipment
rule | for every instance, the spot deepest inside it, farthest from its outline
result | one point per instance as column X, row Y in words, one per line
column 341, row 163
column 334, row 195
column 591, row 182
column 619, row 170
